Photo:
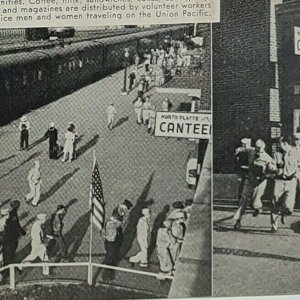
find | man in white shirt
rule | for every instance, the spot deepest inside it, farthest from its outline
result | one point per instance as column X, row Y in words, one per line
column 38, row 248
column 69, row 144
column 143, row 238
column 34, row 180
column 111, row 113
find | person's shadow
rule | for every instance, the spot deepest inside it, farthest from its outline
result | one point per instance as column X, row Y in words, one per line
column 157, row 224
column 91, row 143
column 37, row 142
column 22, row 253
column 129, row 233
column 57, row 185
column 121, row 121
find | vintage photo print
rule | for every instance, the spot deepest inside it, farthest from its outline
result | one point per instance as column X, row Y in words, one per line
column 256, row 148
column 105, row 162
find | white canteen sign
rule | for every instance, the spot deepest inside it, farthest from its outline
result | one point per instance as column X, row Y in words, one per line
column 183, row 125
column 297, row 40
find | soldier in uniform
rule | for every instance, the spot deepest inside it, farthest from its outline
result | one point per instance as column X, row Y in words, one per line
column 38, row 247
column 52, row 135
column 56, row 228
column 138, row 108
column 24, row 127
column 146, row 110
column 69, row 144
column 12, row 232
column 34, row 180
column 244, row 157
column 143, row 238
column 132, row 78
column 122, row 210
column 73, row 129
column 177, row 231
column 285, row 182
column 4, row 216
column 166, row 104
column 152, row 117
column 111, row 114
column 163, row 244
column 260, row 168
column 113, row 237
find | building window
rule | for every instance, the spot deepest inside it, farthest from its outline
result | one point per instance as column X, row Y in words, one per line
column 7, row 84
column 297, row 89
column 275, row 132
column 25, row 79
column 40, row 75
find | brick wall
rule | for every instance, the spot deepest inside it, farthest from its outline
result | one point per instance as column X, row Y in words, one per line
column 241, row 77
column 288, row 16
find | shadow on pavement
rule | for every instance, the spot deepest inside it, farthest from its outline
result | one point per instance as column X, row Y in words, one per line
column 158, row 223
column 247, row 253
column 129, row 232
column 23, row 215
column 296, row 227
column 121, row 121
column 75, row 235
column 2, row 160
column 134, row 216
column 37, row 142
column 58, row 184
column 21, row 254
column 91, row 143
column 32, row 156
column 5, row 202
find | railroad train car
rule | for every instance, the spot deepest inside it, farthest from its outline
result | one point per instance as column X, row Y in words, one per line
column 35, row 34
column 30, row 80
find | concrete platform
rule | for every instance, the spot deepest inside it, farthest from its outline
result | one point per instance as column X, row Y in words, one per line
column 193, row 270
column 252, row 261
column 133, row 165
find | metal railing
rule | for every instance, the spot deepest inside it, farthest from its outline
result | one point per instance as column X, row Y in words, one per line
column 90, row 268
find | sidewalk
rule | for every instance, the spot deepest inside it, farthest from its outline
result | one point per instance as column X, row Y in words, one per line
column 193, row 270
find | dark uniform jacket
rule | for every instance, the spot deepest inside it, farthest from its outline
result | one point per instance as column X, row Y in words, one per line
column 51, row 133
column 13, row 230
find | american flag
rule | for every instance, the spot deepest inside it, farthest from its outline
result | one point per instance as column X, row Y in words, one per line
column 96, row 199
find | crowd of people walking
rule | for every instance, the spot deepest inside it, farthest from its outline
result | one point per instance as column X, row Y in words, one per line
column 257, row 170
column 158, row 66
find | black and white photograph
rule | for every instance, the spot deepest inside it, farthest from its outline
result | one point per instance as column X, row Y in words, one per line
column 256, row 158
column 95, row 203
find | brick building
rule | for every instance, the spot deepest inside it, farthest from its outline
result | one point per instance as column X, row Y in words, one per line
column 246, row 99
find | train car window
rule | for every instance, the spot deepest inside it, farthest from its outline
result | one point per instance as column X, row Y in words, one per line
column 25, row 79
column 59, row 69
column 40, row 75
column 7, row 85
column 33, row 76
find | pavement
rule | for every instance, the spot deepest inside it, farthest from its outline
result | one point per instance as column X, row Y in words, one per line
column 193, row 270
column 133, row 165
column 252, row 261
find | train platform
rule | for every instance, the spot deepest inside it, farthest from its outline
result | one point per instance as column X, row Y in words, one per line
column 273, row 257
column 193, row 271
column 133, row 165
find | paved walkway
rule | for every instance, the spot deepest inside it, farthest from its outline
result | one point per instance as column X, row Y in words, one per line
column 193, row 270
column 133, row 165
column 252, row 261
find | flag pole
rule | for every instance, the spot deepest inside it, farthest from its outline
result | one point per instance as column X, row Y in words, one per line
column 90, row 267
